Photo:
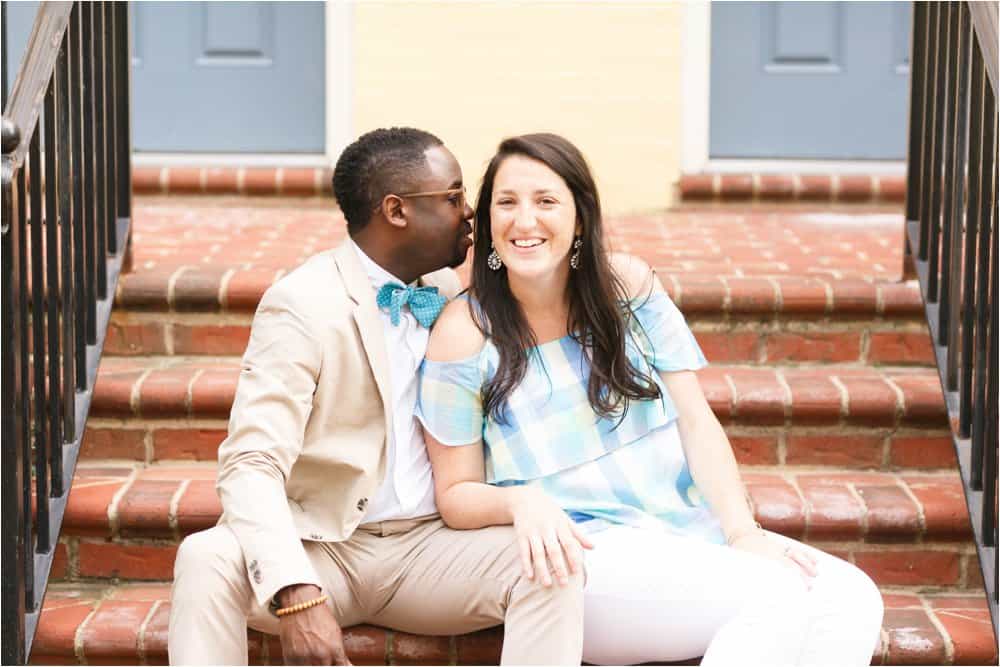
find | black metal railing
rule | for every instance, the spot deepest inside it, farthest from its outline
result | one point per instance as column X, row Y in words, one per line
column 951, row 234
column 66, row 220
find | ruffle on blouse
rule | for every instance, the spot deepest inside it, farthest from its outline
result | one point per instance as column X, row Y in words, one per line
column 550, row 426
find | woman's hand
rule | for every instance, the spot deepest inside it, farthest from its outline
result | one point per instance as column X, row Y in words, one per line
column 547, row 536
column 758, row 542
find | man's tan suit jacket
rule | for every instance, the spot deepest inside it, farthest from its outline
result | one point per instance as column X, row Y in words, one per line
column 307, row 431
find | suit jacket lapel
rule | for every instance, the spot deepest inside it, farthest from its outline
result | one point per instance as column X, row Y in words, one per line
column 369, row 321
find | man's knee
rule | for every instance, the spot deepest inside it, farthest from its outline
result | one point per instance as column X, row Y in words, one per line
column 212, row 552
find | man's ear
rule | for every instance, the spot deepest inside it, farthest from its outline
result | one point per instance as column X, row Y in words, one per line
column 393, row 210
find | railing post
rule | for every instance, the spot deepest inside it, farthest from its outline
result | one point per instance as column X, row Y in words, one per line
column 13, row 630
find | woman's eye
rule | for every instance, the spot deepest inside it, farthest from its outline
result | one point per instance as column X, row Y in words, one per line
column 504, row 202
column 548, row 201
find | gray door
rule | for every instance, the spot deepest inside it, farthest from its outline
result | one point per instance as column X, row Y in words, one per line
column 815, row 80
column 220, row 76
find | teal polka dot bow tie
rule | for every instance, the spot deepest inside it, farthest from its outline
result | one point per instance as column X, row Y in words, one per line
column 425, row 303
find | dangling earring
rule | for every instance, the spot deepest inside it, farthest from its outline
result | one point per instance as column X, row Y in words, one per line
column 574, row 259
column 493, row 261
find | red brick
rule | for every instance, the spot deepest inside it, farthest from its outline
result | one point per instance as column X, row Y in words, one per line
column 973, row 573
column 213, row 393
column 854, row 296
column 697, row 186
column 827, row 347
column 717, row 393
column 755, row 450
column 850, row 451
column 113, row 391
column 971, row 635
column 910, row 567
column 57, row 626
column 260, row 181
column 855, row 188
column 164, row 393
column 891, row 514
column 892, row 188
column 298, row 182
column 903, row 347
column 900, row 600
column 922, row 399
column 777, row 506
column 197, row 289
column 728, row 346
column 913, row 639
column 111, row 635
column 901, row 299
column 183, row 180
column 833, row 511
column 752, row 295
column 199, row 508
column 410, row 649
column 145, row 289
column 144, row 562
column 143, row 511
column 945, row 512
column 777, row 187
column 60, row 562
column 246, row 287
column 480, row 648
column 189, row 444
column 802, row 295
column 326, row 181
column 922, row 452
column 954, row 602
column 134, row 338
column 89, row 498
column 154, row 636
column 815, row 187
column 113, row 443
column 760, row 398
column 734, row 187
column 216, row 340
column 221, row 180
column 870, row 401
column 815, row 399
column 146, row 180
column 366, row 644
column 701, row 294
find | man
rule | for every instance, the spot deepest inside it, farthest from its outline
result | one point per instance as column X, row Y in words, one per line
column 328, row 504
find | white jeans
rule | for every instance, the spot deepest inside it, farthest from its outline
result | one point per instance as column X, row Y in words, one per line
column 653, row 597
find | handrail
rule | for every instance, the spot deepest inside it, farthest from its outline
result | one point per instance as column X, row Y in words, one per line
column 66, row 172
column 951, row 237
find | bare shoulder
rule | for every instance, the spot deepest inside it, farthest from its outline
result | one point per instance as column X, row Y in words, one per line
column 455, row 335
column 636, row 275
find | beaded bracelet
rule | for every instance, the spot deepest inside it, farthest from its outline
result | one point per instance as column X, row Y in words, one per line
column 738, row 536
column 301, row 606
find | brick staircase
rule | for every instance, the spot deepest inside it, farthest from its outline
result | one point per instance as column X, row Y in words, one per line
column 821, row 375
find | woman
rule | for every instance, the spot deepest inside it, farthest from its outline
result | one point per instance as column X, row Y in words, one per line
column 560, row 397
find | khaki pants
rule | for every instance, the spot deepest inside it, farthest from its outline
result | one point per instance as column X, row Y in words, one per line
column 415, row 576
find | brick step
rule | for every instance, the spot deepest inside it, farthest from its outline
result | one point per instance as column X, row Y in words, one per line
column 125, row 522
column 774, row 339
column 84, row 624
column 791, row 187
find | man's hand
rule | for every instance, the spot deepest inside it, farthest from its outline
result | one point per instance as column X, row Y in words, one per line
column 310, row 637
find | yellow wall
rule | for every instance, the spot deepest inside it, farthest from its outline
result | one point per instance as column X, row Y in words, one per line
column 605, row 75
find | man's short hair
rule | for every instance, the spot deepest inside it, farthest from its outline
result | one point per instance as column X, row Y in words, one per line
column 380, row 162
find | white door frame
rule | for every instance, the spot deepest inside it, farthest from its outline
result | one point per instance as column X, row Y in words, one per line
column 696, row 60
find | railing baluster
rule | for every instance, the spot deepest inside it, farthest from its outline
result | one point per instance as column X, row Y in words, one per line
column 974, row 238
column 67, row 305
column 990, row 440
column 930, row 141
column 24, row 408
column 110, row 150
column 100, row 146
column 88, row 170
column 52, row 294
column 941, row 141
column 951, row 267
column 123, row 124
column 983, row 310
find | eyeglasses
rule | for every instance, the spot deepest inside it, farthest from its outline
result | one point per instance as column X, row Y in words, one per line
column 459, row 194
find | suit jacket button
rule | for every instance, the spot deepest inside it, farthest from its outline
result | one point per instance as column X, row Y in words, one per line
column 316, row 536
column 362, row 504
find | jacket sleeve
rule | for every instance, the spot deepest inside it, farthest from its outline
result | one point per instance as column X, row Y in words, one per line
column 273, row 401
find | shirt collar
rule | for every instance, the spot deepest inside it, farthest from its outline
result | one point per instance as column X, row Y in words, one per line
column 376, row 274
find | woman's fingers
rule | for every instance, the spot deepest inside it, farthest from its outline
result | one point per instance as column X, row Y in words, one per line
column 539, row 562
column 553, row 549
column 526, row 568
column 580, row 536
column 803, row 560
column 571, row 547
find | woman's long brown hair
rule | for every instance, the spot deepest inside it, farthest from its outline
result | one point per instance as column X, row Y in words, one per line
column 598, row 301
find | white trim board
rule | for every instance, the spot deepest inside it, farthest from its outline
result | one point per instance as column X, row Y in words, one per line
column 737, row 166
column 140, row 159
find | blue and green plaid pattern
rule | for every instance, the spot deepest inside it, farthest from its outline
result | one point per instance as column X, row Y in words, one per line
column 425, row 303
column 600, row 470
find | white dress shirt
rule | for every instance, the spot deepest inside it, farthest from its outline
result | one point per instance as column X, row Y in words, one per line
column 408, row 488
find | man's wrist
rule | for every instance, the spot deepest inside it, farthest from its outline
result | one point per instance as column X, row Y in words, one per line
column 296, row 593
